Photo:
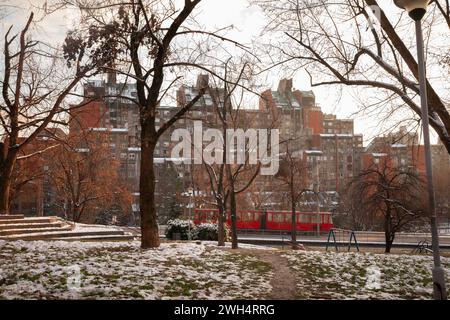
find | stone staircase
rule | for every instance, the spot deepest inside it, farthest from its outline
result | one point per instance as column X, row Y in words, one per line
column 18, row 227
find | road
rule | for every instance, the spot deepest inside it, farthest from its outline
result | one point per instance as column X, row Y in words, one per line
column 375, row 239
column 364, row 238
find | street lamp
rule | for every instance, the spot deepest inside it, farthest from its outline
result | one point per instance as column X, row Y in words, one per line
column 416, row 10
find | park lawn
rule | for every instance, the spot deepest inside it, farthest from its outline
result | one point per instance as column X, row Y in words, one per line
column 188, row 270
column 114, row 270
column 351, row 275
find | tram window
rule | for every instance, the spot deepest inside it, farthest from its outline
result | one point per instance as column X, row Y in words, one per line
column 279, row 217
column 325, row 218
column 304, row 218
column 256, row 216
column 288, row 217
column 270, row 217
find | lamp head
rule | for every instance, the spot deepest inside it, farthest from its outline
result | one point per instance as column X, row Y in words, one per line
column 415, row 8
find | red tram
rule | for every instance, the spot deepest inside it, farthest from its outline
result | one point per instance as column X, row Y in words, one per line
column 270, row 220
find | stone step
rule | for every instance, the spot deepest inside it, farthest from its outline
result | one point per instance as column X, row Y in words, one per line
column 31, row 220
column 11, row 216
column 62, row 234
column 34, row 230
column 125, row 237
column 38, row 225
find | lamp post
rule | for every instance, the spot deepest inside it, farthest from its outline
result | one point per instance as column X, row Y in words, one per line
column 416, row 10
column 191, row 193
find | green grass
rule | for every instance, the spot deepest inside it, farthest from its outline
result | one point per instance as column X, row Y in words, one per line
column 125, row 271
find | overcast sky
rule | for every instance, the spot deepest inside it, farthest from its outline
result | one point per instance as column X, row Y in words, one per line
column 248, row 22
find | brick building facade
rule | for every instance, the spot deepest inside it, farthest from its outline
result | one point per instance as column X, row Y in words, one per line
column 330, row 148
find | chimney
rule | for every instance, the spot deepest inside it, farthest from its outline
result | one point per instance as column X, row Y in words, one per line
column 202, row 81
column 111, row 76
column 285, row 86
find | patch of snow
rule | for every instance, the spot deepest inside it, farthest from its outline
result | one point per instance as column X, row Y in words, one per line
column 112, row 270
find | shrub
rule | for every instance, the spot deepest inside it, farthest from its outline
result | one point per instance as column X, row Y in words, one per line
column 209, row 232
column 204, row 231
column 181, row 227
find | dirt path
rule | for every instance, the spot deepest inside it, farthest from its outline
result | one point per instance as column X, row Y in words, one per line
column 283, row 282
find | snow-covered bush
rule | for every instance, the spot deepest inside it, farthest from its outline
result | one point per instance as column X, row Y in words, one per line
column 180, row 227
column 209, row 232
column 204, row 231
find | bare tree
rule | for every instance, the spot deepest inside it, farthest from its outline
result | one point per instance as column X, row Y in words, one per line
column 343, row 43
column 229, row 180
column 352, row 216
column 152, row 43
column 86, row 178
column 293, row 175
column 393, row 193
column 33, row 97
column 29, row 171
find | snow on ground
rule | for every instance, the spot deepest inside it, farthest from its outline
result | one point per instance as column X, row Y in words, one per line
column 189, row 270
column 325, row 275
column 93, row 227
column 241, row 246
column 113, row 270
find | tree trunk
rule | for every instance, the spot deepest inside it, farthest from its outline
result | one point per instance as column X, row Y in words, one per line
column 293, row 227
column 233, row 211
column 149, row 225
column 388, row 234
column 389, row 241
column 76, row 214
column 40, row 198
column 6, row 170
column 5, row 186
column 221, row 227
